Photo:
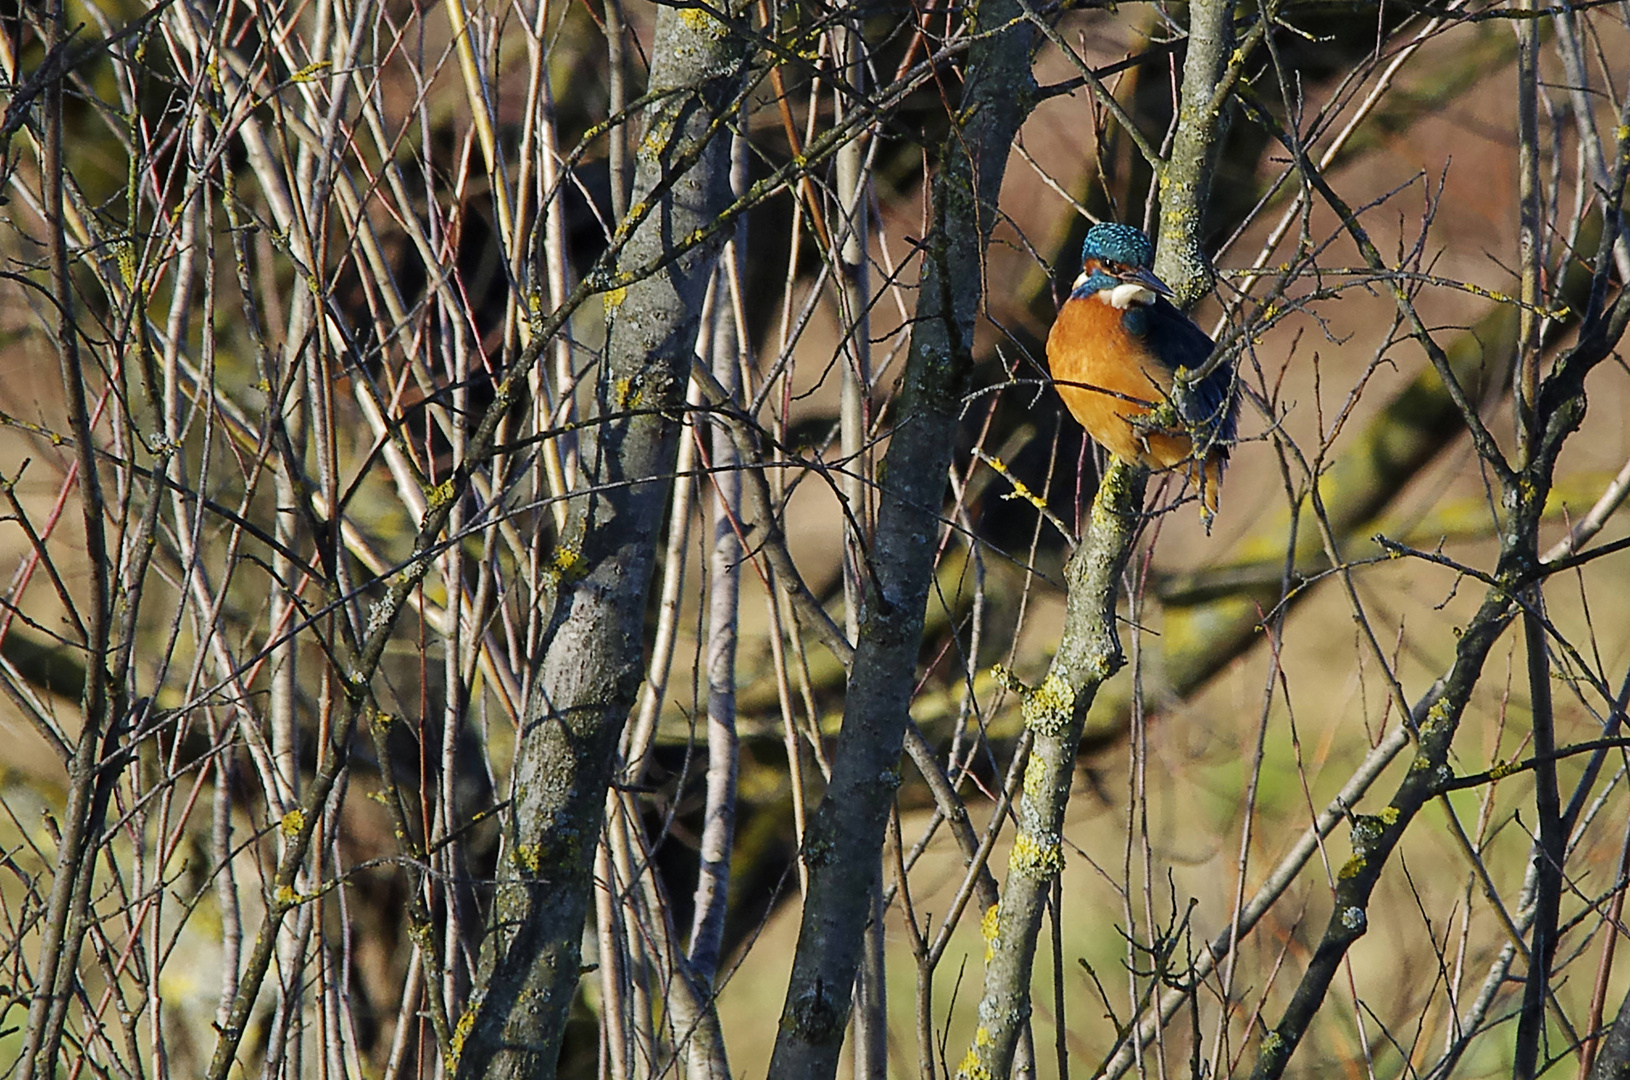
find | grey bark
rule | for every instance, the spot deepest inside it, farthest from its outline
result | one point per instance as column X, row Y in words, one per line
column 845, row 837
column 1613, row 1053
column 1088, row 653
column 724, row 593
column 870, row 1030
column 589, row 670
column 853, row 293
column 1185, row 178
column 67, row 910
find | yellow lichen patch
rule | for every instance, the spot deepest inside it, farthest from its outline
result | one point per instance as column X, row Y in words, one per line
column 1389, row 815
column 566, row 562
column 1047, row 710
column 1020, row 491
column 287, row 897
column 1352, row 867
column 970, row 1068
column 700, row 21
column 1035, row 858
column 461, row 1031
column 440, row 495
column 528, row 857
column 126, row 254
column 656, row 138
column 310, row 71
column 614, row 298
column 1436, row 717
column 292, row 823
column 988, row 926
column 1007, row 680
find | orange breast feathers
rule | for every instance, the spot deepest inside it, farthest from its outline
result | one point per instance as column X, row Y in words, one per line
column 1107, row 379
column 1109, row 382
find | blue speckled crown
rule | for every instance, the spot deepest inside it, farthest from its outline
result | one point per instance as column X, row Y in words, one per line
column 1111, row 241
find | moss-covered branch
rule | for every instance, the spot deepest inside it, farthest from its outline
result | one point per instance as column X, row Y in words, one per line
column 1088, row 653
column 846, row 834
column 589, row 668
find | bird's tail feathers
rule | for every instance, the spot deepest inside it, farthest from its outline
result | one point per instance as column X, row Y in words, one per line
column 1211, row 473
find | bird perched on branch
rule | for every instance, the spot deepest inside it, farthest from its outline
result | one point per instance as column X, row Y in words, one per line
column 1115, row 351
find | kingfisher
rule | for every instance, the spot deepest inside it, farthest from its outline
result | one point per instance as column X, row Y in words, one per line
column 1114, row 350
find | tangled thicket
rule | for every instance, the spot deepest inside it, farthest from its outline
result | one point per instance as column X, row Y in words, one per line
column 538, row 529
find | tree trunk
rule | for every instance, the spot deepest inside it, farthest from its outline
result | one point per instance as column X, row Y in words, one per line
column 589, row 668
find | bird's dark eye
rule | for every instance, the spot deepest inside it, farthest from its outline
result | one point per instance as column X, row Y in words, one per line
column 1113, row 268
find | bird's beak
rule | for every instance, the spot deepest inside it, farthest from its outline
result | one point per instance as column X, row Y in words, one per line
column 1146, row 278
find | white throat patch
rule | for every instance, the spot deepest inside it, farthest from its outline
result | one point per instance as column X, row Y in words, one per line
column 1127, row 294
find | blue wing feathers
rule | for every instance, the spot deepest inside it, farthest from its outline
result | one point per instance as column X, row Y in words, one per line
column 1176, row 342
